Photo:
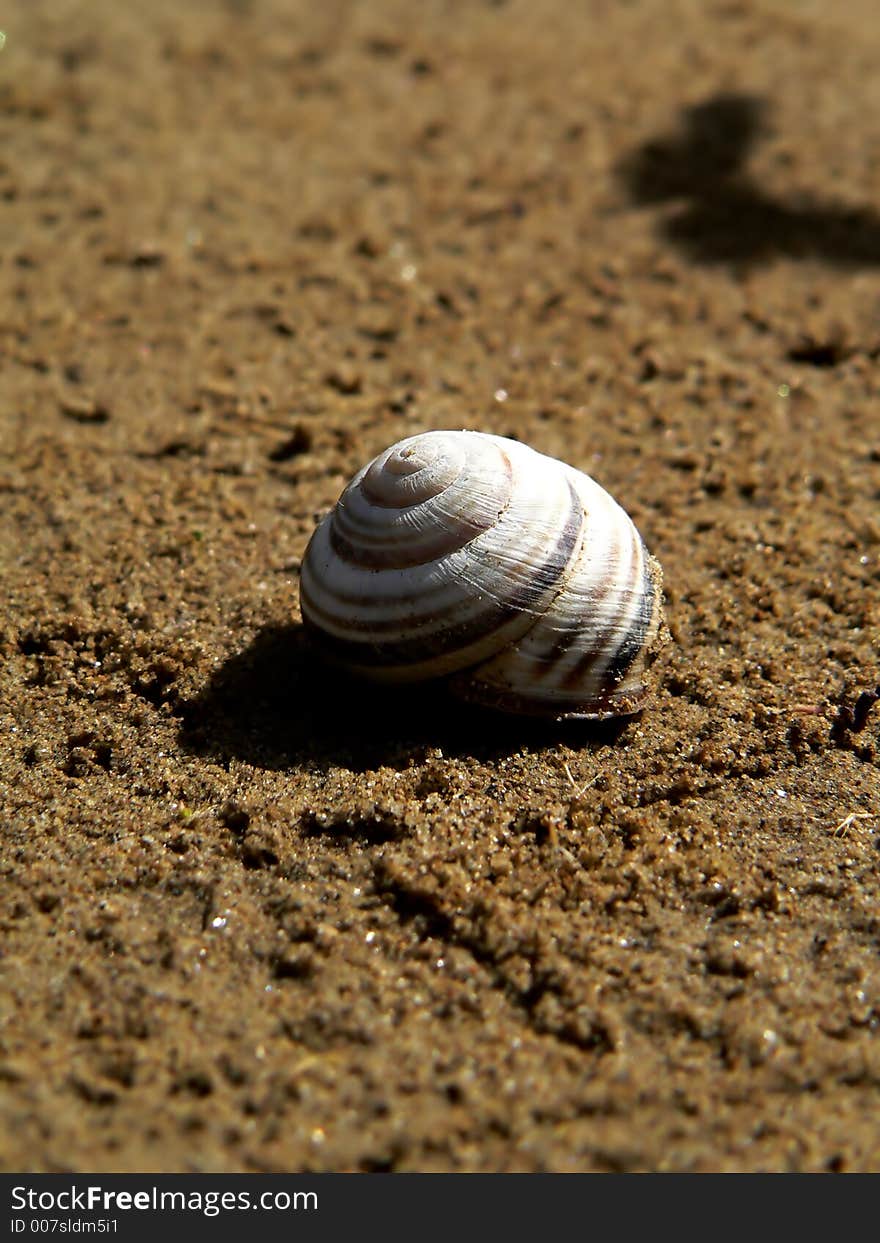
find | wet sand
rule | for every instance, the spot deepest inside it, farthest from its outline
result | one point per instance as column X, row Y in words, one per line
column 256, row 916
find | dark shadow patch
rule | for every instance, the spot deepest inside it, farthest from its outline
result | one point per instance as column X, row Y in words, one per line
column 716, row 139
column 373, row 828
column 852, row 718
column 821, row 353
column 276, row 705
column 173, row 448
column 299, row 442
column 725, row 216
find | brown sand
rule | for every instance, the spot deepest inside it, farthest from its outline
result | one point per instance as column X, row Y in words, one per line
column 255, row 917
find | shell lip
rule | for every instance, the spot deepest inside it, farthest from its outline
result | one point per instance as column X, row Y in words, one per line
column 605, row 708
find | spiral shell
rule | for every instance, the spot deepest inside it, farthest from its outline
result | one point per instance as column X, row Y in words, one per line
column 471, row 557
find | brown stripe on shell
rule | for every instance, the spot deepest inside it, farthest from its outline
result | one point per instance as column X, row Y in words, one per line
column 356, row 621
column 378, row 652
column 390, row 465
column 582, row 670
column 371, row 491
column 635, row 641
column 569, row 637
column 453, row 534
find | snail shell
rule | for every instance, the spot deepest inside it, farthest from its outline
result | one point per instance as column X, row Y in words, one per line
column 471, row 557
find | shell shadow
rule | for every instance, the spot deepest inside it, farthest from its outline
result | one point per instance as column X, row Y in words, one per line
column 276, row 706
column 722, row 215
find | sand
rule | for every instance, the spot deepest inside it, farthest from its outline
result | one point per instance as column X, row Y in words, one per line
column 257, row 916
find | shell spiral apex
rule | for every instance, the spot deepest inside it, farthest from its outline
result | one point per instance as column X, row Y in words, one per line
column 470, row 557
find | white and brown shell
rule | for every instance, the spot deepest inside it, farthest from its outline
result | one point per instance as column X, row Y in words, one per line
column 471, row 557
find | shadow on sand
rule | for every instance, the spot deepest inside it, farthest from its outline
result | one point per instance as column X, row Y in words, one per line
column 723, row 215
column 276, row 706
